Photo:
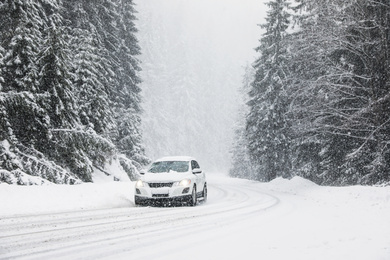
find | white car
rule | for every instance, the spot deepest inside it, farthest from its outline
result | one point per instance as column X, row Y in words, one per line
column 171, row 180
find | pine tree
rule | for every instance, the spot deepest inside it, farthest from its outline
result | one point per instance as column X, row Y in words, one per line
column 366, row 52
column 92, row 99
column 24, row 119
column 128, row 99
column 5, row 131
column 316, row 87
column 66, row 143
column 21, row 38
column 267, row 125
column 1, row 68
column 88, row 74
column 69, row 94
column 339, row 78
column 241, row 163
column 55, row 77
column 107, row 72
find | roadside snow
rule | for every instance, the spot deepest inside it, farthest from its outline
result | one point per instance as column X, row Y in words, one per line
column 32, row 200
column 283, row 219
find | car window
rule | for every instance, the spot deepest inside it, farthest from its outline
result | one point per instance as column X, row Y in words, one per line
column 167, row 166
column 194, row 165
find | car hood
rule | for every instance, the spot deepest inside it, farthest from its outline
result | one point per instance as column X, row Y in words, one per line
column 166, row 176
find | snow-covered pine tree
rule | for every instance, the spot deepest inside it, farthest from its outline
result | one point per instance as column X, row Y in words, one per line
column 1, row 67
column 128, row 136
column 20, row 38
column 89, row 74
column 241, row 163
column 92, row 99
column 63, row 146
column 90, row 81
column 6, row 134
column 315, row 88
column 366, row 52
column 22, row 120
column 340, row 84
column 4, row 124
column 60, row 107
column 55, row 78
column 267, row 126
column 108, row 61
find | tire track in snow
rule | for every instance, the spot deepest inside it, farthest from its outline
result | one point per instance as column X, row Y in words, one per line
column 100, row 233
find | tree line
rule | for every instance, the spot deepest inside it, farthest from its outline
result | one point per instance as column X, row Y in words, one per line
column 319, row 100
column 69, row 89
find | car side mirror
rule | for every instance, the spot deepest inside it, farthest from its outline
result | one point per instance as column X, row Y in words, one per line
column 197, row 171
column 142, row 172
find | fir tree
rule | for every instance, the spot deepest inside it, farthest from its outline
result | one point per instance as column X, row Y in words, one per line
column 267, row 125
column 88, row 69
column 92, row 99
column 128, row 135
column 55, row 77
column 339, row 78
column 24, row 119
column 241, row 164
column 20, row 38
column 366, row 55
column 55, row 81
column 69, row 89
column 316, row 87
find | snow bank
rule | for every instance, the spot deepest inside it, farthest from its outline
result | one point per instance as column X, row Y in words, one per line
column 361, row 194
column 20, row 200
column 112, row 172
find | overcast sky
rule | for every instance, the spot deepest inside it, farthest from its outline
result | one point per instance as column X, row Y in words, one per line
column 230, row 24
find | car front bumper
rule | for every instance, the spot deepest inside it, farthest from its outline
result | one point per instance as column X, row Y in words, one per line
column 155, row 201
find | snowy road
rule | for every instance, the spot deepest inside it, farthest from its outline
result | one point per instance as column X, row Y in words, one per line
column 242, row 219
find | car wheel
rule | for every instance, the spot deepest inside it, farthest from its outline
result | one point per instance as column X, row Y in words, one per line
column 205, row 193
column 193, row 199
column 136, row 202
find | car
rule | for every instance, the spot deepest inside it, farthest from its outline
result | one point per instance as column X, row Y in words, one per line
column 171, row 181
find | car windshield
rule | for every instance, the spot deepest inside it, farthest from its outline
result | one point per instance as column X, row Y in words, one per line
column 167, row 166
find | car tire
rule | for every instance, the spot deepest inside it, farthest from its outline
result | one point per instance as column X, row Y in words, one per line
column 205, row 193
column 137, row 201
column 193, row 200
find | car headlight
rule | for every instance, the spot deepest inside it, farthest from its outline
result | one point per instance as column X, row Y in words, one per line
column 139, row 184
column 185, row 182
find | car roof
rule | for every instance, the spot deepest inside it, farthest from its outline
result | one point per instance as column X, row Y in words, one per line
column 176, row 158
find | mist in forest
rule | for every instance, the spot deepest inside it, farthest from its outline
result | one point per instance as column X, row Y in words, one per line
column 193, row 57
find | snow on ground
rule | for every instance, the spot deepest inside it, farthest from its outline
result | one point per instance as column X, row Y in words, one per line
column 283, row 219
column 17, row 200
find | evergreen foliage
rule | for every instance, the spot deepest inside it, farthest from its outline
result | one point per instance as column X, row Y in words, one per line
column 267, row 127
column 321, row 92
column 69, row 94
column 242, row 164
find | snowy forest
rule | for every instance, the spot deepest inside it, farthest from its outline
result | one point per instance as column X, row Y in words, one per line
column 318, row 98
column 315, row 102
column 69, row 90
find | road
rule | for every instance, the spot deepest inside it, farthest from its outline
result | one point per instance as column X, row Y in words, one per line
column 240, row 220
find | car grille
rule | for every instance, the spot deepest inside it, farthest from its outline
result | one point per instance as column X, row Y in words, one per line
column 160, row 185
column 160, row 195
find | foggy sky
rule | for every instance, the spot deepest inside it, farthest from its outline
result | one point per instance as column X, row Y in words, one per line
column 217, row 39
